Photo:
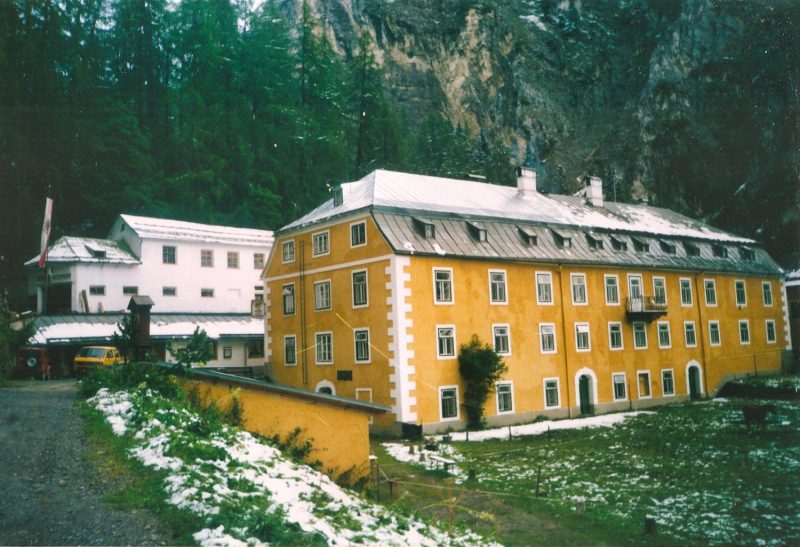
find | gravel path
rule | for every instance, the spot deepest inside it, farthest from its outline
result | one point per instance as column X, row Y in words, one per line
column 49, row 495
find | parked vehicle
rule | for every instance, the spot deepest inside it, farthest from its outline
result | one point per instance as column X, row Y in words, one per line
column 91, row 357
column 32, row 363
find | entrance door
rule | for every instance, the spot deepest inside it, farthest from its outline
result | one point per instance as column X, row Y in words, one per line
column 635, row 296
column 694, row 383
column 585, row 393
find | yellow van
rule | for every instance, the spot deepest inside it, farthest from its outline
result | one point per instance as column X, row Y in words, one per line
column 90, row 357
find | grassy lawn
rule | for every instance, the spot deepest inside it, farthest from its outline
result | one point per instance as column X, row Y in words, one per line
column 693, row 467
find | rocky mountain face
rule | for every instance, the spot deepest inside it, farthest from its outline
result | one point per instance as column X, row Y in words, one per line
column 690, row 104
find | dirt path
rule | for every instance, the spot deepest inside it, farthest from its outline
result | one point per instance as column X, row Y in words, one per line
column 49, row 495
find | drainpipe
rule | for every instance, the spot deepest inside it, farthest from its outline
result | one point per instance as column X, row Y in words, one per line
column 303, row 333
column 564, row 338
column 701, row 330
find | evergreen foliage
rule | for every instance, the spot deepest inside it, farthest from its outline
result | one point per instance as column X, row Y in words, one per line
column 480, row 367
column 198, row 350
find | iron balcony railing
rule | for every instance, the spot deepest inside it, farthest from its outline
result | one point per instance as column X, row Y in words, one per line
column 645, row 305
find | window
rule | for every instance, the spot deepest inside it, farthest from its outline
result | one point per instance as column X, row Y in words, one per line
column 744, row 331
column 227, row 352
column 667, row 247
column 766, row 293
column 360, row 298
column 168, row 254
column 547, row 337
column 207, row 293
column 443, row 286
column 424, row 228
column 667, row 383
column 287, row 251
column 711, row 292
column 258, row 261
column 324, row 343
column 502, row 343
column 528, row 236
column 578, row 288
column 169, row 291
column 255, row 348
column 477, row 231
column 446, row 342
column 643, row 378
column 97, row 290
column 448, row 405
column 595, row 243
column 358, row 234
column 551, row 393
column 206, row 258
column 639, row 336
column 659, row 290
column 635, row 287
column 505, row 397
column 321, row 243
column 719, row 251
column 612, row 289
column 689, row 334
column 544, row 288
column 582, row 337
column 713, row 333
column 691, row 249
column 686, row 292
column 741, row 295
column 290, row 349
column 497, row 287
column 618, row 245
column 561, row 240
column 130, row 290
column 640, row 245
column 771, row 338
column 322, row 295
column 233, row 259
column 288, row 299
column 362, row 345
column 615, row 335
column 747, row 254
column 664, row 339
column 618, row 380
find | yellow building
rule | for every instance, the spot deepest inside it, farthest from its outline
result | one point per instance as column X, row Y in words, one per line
column 595, row 306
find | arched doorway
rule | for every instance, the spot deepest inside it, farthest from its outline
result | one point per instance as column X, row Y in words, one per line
column 586, row 390
column 694, row 380
column 326, row 387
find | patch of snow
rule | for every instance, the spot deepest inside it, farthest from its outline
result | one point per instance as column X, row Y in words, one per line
column 535, row 19
column 439, row 251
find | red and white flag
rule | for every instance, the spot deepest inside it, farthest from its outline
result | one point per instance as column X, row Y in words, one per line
column 48, row 212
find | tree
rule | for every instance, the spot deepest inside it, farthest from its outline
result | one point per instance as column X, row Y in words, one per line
column 480, row 367
column 197, row 350
column 127, row 339
column 11, row 339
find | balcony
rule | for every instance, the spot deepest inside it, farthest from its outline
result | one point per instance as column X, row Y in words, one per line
column 644, row 308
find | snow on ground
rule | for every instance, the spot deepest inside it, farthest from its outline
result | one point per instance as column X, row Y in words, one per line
column 230, row 471
column 426, row 458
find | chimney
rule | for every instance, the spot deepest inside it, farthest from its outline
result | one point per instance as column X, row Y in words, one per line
column 594, row 191
column 526, row 181
column 338, row 196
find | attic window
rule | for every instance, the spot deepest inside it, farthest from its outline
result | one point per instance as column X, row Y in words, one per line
column 719, row 251
column 747, row 254
column 528, row 236
column 640, row 246
column 424, row 228
column 618, row 244
column 477, row 231
column 595, row 243
column 338, row 196
column 561, row 241
column 691, row 249
column 96, row 253
column 667, row 247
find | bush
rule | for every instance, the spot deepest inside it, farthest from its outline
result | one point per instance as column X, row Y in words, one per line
column 130, row 375
column 481, row 367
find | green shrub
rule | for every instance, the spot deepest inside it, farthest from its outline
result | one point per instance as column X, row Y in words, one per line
column 480, row 367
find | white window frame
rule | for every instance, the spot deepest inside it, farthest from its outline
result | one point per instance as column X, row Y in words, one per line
column 578, row 327
column 174, row 254
column 355, row 346
column 452, row 300
column 458, row 409
column 506, row 326
column 288, row 244
column 558, row 392
column 283, row 299
column 285, row 361
column 686, row 325
column 207, row 253
column 455, row 352
column 353, row 288
column 259, row 258
column 713, row 284
column 235, row 262
column 572, row 278
column 614, row 376
column 633, row 327
column 504, row 301
column 664, row 391
column 767, row 323
column 611, row 346
column 659, row 324
column 541, row 339
column 688, row 281
column 353, row 225
column 640, row 277
column 550, row 284
column 316, row 348
column 639, row 374
column 711, row 336
column 317, row 295
column 497, row 396
column 314, row 239
column 615, row 277
column 745, row 322
column 767, row 285
column 655, row 292
column 736, row 292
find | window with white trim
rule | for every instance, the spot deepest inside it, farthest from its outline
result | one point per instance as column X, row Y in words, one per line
column 714, row 337
column 502, row 341
column 169, row 254
column 324, row 346
column 614, row 336
column 287, row 251
column 322, row 295
column 288, row 299
column 689, row 334
column 578, row 282
column 258, row 261
column 233, row 259
column 612, row 289
column 290, row 349
column 643, row 382
column 505, row 397
column 744, row 331
column 448, row 403
column 361, row 340
column 497, row 287
column 659, row 290
column 227, row 352
column 667, row 383
column 443, row 286
column 547, row 337
column 582, row 339
column 320, row 243
column 618, row 381
column 664, row 338
column 360, row 292
column 711, row 292
column 639, row 335
column 766, row 292
column 741, row 293
column 358, row 234
column 551, row 393
column 686, row 292
column 206, row 258
column 544, row 288
column 771, row 333
column 446, row 342
column 635, row 287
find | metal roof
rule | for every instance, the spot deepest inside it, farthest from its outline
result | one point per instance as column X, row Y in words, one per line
column 87, row 250
column 165, row 229
column 93, row 327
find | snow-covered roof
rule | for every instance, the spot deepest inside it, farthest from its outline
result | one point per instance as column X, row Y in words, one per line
column 97, row 327
column 70, row 249
column 164, row 229
column 793, row 278
column 411, row 192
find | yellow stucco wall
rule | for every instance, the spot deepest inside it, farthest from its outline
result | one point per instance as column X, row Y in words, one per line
column 339, row 436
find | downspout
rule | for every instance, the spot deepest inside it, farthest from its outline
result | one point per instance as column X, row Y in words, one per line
column 564, row 338
column 701, row 331
column 304, row 344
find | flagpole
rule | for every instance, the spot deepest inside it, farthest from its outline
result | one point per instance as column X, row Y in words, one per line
column 48, row 211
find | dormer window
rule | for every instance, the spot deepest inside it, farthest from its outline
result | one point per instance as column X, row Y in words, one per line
column 595, row 243
column 667, row 247
column 747, row 253
column 640, row 245
column 477, row 231
column 618, row 244
column 529, row 237
column 424, row 228
column 719, row 251
column 95, row 252
column 561, row 241
column 691, row 249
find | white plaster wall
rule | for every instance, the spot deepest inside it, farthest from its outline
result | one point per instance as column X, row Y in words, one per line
column 238, row 356
column 113, row 277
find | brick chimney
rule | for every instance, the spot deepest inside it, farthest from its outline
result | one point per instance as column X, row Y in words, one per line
column 526, row 181
column 140, row 306
column 594, row 191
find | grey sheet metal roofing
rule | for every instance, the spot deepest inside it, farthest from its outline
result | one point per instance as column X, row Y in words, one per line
column 166, row 229
column 69, row 250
